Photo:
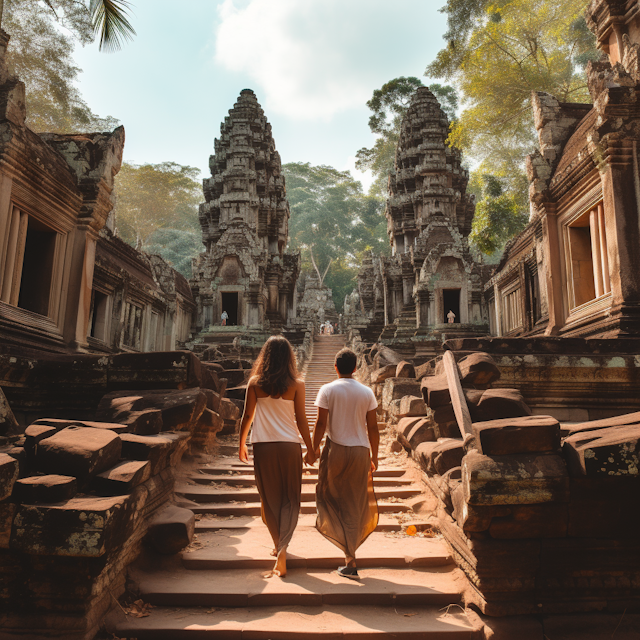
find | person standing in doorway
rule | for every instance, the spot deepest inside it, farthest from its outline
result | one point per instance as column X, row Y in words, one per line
column 224, row 317
column 451, row 317
column 275, row 406
column 346, row 502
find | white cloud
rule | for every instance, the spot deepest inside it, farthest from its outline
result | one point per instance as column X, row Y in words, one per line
column 309, row 58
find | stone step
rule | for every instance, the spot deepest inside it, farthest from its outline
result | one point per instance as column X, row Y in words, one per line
column 251, row 549
column 254, row 509
column 249, row 588
column 386, row 522
column 296, row 622
column 250, row 481
column 203, row 494
column 234, row 466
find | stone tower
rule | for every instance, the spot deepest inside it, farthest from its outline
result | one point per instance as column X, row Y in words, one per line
column 429, row 214
column 244, row 221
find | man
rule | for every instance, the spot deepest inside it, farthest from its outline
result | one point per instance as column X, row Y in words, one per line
column 451, row 317
column 224, row 317
column 346, row 502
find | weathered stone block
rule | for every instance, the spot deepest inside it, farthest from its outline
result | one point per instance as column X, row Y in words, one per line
column 157, row 449
column 601, row 507
column 9, row 470
column 421, row 432
column 412, row 406
column 397, row 388
column 78, row 451
column 444, row 414
column 180, row 409
column 33, row 434
column 496, row 404
column 59, row 424
column 386, row 356
column 380, row 375
column 405, row 425
column 478, row 369
column 171, row 530
column 154, row 370
column 8, row 423
column 213, row 399
column 435, row 391
column 531, row 434
column 547, row 520
column 123, row 478
column 612, row 451
column 474, row 518
column 405, row 369
column 514, row 479
column 83, row 527
column 438, row 457
column 7, row 513
column 593, row 425
column 228, row 410
column 46, row 489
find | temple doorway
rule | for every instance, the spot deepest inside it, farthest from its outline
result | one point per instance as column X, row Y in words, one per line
column 451, row 302
column 230, row 305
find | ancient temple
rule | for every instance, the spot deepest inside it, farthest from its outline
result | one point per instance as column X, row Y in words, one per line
column 432, row 281
column 245, row 270
column 574, row 270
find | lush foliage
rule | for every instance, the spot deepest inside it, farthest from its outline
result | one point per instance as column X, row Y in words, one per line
column 499, row 214
column 333, row 222
column 389, row 104
column 40, row 53
column 497, row 53
column 157, row 211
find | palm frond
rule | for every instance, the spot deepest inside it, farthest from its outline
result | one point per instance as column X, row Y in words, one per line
column 110, row 23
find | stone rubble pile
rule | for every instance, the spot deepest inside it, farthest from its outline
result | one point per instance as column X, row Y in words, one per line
column 539, row 514
column 80, row 498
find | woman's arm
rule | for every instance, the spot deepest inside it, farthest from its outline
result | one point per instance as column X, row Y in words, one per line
column 247, row 419
column 301, row 416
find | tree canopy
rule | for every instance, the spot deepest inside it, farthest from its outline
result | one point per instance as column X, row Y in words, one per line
column 497, row 54
column 157, row 211
column 389, row 104
column 334, row 221
column 41, row 55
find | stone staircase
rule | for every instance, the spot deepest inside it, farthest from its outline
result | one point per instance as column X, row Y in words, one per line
column 409, row 586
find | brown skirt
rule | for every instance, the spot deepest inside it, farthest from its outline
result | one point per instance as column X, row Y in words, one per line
column 278, row 469
column 346, row 501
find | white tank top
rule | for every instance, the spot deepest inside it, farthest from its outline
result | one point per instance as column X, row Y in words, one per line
column 275, row 421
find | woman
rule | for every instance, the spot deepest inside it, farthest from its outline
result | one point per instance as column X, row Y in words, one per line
column 275, row 405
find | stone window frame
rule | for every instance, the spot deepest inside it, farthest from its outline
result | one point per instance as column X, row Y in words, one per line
column 17, row 232
column 510, row 306
column 582, row 207
column 108, row 315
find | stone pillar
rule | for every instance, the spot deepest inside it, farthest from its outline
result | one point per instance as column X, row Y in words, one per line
column 621, row 225
column 553, row 272
column 407, row 290
column 78, row 304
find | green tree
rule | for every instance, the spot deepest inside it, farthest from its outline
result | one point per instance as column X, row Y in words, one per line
column 499, row 215
column 106, row 19
column 332, row 221
column 497, row 54
column 157, row 210
column 389, row 104
column 41, row 55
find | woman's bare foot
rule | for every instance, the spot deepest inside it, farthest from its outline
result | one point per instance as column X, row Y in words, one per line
column 281, row 563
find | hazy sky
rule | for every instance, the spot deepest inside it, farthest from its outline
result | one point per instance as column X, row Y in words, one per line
column 313, row 64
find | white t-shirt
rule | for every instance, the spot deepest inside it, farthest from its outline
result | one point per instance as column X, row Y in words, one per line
column 348, row 402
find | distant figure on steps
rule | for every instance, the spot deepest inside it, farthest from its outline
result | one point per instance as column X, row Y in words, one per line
column 224, row 317
column 451, row 317
column 346, row 502
column 275, row 405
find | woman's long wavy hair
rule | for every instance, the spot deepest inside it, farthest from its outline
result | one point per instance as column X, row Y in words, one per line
column 275, row 369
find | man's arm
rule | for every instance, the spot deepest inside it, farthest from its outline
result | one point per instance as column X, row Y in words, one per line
column 320, row 428
column 374, row 436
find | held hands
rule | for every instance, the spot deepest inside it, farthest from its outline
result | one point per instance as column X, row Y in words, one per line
column 243, row 453
column 311, row 456
column 374, row 465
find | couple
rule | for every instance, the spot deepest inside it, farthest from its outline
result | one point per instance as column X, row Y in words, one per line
column 275, row 404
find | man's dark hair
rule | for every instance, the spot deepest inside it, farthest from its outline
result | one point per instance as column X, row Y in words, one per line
column 346, row 361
